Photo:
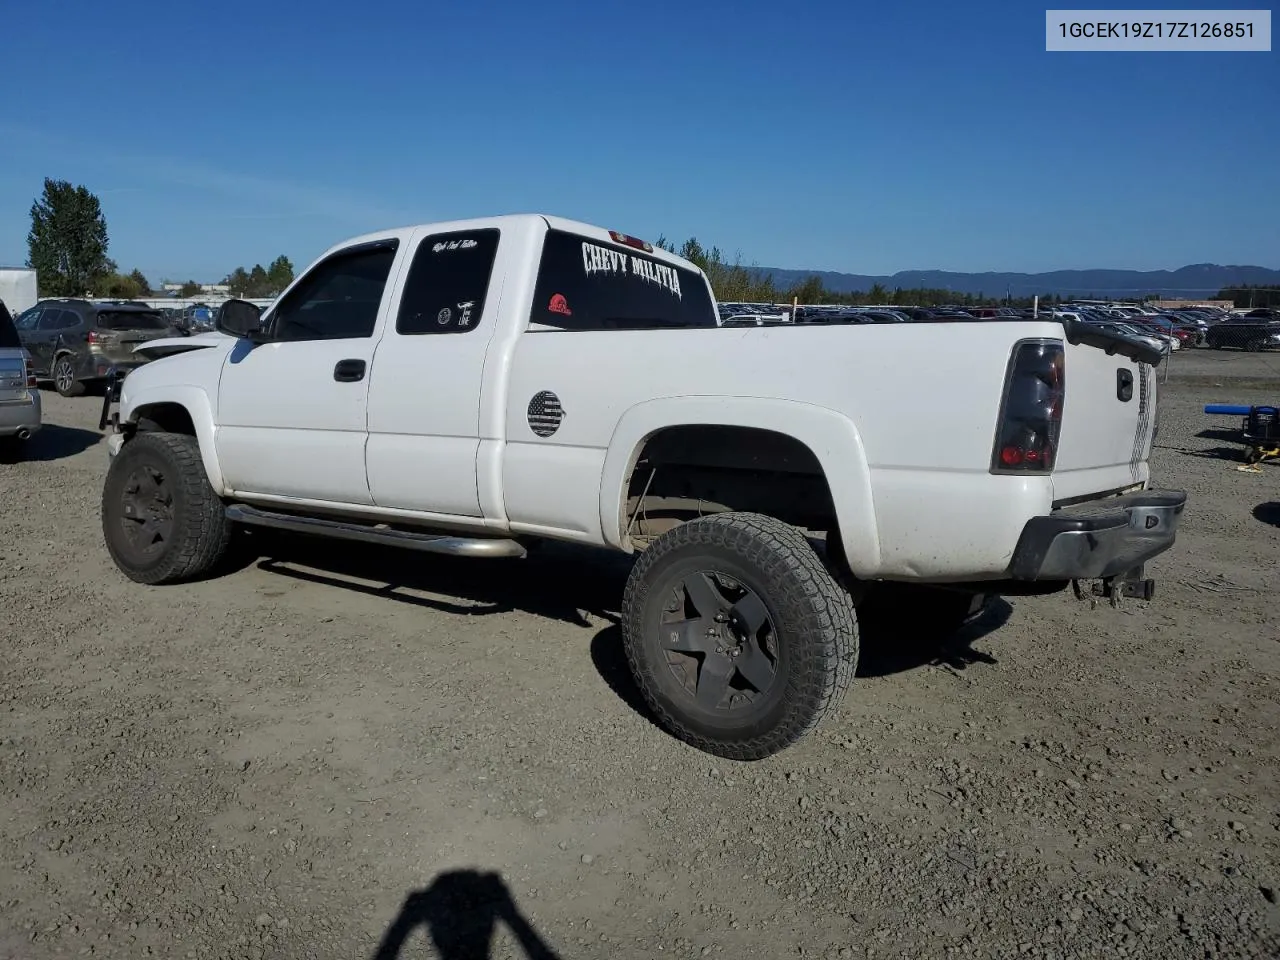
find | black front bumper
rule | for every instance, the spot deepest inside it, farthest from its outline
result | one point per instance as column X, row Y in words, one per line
column 1098, row 539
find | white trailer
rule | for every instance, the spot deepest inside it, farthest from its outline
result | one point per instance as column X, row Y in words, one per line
column 18, row 288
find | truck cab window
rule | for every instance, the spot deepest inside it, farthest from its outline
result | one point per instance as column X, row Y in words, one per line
column 586, row 284
column 448, row 282
column 339, row 298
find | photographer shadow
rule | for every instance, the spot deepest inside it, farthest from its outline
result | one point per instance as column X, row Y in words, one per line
column 460, row 912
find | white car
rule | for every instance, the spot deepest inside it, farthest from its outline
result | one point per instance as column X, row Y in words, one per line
column 469, row 387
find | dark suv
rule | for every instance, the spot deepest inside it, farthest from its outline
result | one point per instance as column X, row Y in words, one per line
column 76, row 342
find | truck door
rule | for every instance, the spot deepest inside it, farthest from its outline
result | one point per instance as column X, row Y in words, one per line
column 424, row 401
column 292, row 412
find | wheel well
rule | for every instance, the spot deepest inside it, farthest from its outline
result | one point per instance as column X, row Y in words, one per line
column 166, row 417
column 685, row 472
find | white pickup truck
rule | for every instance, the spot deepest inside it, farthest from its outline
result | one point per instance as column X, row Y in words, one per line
column 472, row 387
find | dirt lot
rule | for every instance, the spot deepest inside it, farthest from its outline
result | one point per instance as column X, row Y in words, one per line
column 339, row 753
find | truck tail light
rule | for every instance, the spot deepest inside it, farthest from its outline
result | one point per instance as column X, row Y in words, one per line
column 1031, row 409
column 627, row 241
column 31, row 373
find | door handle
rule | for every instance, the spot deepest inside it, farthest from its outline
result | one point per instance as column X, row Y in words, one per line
column 348, row 371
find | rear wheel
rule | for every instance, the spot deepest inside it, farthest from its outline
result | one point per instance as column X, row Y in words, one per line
column 161, row 520
column 64, row 377
column 739, row 638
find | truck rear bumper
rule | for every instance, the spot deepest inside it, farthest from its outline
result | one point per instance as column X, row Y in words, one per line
column 1098, row 539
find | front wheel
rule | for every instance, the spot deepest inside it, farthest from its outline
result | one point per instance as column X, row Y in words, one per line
column 161, row 519
column 64, row 377
column 738, row 637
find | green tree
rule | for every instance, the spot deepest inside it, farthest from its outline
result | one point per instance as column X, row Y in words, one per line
column 810, row 290
column 190, row 289
column 144, row 288
column 117, row 286
column 694, row 253
column 67, row 244
column 238, row 281
column 259, row 284
column 279, row 274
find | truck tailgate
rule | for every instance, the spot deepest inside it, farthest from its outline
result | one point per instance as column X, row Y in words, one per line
column 1108, row 423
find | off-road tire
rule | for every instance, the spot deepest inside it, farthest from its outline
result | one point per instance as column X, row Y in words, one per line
column 813, row 616
column 72, row 388
column 201, row 532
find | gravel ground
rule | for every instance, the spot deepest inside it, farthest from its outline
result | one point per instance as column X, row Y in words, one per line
column 323, row 755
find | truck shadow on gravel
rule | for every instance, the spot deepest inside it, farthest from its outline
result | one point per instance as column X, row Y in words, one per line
column 460, row 913
column 53, row 442
column 556, row 581
column 567, row 583
column 888, row 645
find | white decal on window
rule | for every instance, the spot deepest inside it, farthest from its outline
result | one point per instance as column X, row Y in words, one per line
column 444, row 316
column 465, row 310
column 440, row 245
column 596, row 259
column 658, row 273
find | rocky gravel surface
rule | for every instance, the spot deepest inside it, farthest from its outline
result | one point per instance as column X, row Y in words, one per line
column 336, row 752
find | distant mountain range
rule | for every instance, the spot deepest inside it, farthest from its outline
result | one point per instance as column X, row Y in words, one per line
column 1197, row 281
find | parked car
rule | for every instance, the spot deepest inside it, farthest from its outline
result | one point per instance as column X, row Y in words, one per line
column 20, row 411
column 1152, row 339
column 75, row 343
column 1187, row 334
column 198, row 318
column 465, row 388
column 1248, row 332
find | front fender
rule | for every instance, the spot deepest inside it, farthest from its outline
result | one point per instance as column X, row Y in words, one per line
column 195, row 401
column 832, row 437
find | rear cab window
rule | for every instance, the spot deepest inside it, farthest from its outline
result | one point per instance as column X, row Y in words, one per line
column 586, row 284
column 131, row 320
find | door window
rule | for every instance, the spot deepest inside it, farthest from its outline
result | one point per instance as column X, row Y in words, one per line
column 67, row 320
column 29, row 319
column 53, row 320
column 339, row 298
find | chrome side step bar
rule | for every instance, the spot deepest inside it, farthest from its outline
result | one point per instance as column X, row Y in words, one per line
column 407, row 539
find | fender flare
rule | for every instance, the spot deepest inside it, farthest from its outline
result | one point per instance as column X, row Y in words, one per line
column 832, row 437
column 196, row 402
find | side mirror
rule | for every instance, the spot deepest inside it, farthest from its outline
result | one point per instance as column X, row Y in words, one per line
column 240, row 319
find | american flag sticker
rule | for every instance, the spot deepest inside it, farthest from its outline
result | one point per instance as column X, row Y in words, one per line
column 545, row 413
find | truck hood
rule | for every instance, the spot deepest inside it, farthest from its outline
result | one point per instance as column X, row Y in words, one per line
column 168, row 346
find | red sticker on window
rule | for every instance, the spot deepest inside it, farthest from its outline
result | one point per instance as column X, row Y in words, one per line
column 559, row 304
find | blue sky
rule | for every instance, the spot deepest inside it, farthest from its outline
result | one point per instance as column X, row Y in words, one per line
column 867, row 138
